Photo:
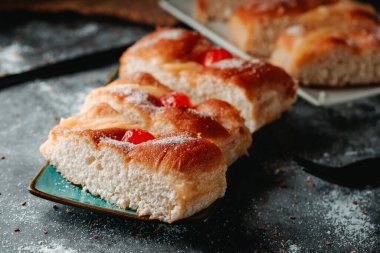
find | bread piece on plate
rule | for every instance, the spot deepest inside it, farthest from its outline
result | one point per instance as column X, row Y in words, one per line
column 344, row 14
column 168, row 178
column 259, row 90
column 169, row 173
column 208, row 10
column 256, row 26
column 330, row 56
column 135, row 101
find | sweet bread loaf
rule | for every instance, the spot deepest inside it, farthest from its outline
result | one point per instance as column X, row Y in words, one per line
column 185, row 61
column 207, row 10
column 138, row 146
column 168, row 178
column 255, row 27
column 344, row 14
column 330, row 56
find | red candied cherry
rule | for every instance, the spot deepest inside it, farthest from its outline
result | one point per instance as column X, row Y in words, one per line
column 215, row 55
column 175, row 99
column 137, row 136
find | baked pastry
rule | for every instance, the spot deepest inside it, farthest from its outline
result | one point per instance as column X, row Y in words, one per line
column 207, row 10
column 136, row 101
column 139, row 145
column 187, row 62
column 330, row 56
column 344, row 14
column 168, row 178
column 256, row 26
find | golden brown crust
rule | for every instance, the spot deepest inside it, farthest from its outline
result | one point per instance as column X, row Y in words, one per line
column 221, row 111
column 186, row 120
column 343, row 14
column 312, row 42
column 330, row 56
column 187, row 46
column 201, row 10
column 214, row 120
column 226, row 114
column 207, row 10
column 271, row 8
column 192, row 156
column 95, row 135
column 103, row 109
column 254, row 77
column 142, row 79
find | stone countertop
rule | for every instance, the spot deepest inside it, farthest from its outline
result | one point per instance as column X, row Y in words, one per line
column 271, row 205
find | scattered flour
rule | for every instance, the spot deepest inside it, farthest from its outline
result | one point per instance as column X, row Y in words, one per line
column 88, row 29
column 50, row 248
column 12, row 57
column 294, row 249
column 347, row 221
column 65, row 103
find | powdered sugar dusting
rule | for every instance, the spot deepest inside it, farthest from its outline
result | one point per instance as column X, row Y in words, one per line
column 121, row 144
column 295, row 30
column 294, row 249
column 66, row 102
column 123, row 90
column 12, row 57
column 229, row 64
column 137, row 98
column 172, row 34
column 132, row 96
column 198, row 113
column 163, row 141
column 50, row 248
column 349, row 222
column 173, row 140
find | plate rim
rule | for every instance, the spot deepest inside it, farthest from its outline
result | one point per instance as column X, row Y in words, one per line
column 201, row 216
column 38, row 193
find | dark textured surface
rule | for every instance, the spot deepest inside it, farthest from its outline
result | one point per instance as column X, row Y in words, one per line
column 271, row 204
column 27, row 43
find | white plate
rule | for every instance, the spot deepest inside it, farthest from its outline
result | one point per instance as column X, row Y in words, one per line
column 217, row 32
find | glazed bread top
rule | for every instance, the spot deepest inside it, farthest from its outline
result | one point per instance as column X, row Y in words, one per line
column 341, row 14
column 275, row 8
column 183, row 52
column 184, row 155
column 141, row 92
column 206, row 10
column 126, row 103
column 252, row 76
column 311, row 42
column 170, row 44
